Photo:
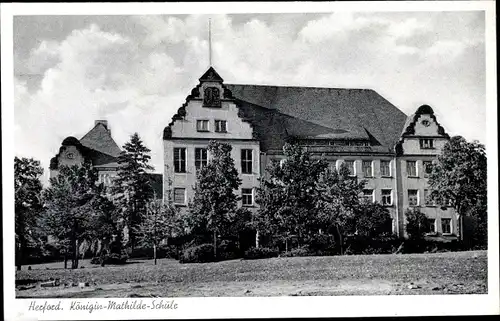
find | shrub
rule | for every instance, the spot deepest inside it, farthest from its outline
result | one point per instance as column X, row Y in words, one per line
column 416, row 223
column 322, row 244
column 112, row 258
column 198, row 254
column 358, row 244
column 260, row 253
column 297, row 252
column 228, row 250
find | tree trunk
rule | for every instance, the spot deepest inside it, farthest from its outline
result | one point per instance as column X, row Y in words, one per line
column 341, row 241
column 215, row 245
column 154, row 252
column 257, row 239
column 65, row 261
column 75, row 255
column 286, row 245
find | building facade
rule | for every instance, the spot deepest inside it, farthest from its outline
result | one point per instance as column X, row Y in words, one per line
column 358, row 127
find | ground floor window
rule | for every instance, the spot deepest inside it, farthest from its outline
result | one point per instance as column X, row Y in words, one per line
column 386, row 197
column 431, row 225
column 247, row 196
column 446, row 225
column 180, row 196
column 413, row 197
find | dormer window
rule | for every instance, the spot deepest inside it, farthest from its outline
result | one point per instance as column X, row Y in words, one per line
column 202, row 125
column 426, row 143
column 211, row 97
column 70, row 155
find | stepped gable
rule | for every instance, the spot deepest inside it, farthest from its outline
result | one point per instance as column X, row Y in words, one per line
column 99, row 139
column 357, row 112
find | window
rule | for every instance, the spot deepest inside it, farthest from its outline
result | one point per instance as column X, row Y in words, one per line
column 202, row 125
column 332, row 165
column 179, row 160
column 350, row 167
column 368, row 195
column 385, row 168
column 427, row 198
column 220, row 126
column 446, row 225
column 247, row 196
column 200, row 158
column 427, row 143
column 427, row 168
column 368, row 168
column 180, row 196
column 282, row 162
column 413, row 197
column 246, row 161
column 431, row 225
column 387, row 197
column 411, row 168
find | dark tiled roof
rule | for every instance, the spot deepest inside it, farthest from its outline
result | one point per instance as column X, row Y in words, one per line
column 99, row 139
column 347, row 113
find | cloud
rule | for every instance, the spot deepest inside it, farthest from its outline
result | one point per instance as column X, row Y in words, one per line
column 138, row 79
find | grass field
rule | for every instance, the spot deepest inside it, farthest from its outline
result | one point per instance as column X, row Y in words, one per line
column 392, row 274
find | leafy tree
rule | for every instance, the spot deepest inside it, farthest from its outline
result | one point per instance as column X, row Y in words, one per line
column 132, row 188
column 459, row 175
column 214, row 203
column 70, row 206
column 107, row 223
column 416, row 223
column 28, row 204
column 158, row 224
column 338, row 202
column 288, row 194
column 372, row 219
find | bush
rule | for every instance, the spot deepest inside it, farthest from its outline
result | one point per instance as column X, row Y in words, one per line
column 416, row 223
column 323, row 244
column 297, row 252
column 357, row 244
column 112, row 258
column 198, row 254
column 162, row 251
column 228, row 250
column 254, row 253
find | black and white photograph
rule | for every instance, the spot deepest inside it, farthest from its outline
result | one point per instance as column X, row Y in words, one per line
column 252, row 152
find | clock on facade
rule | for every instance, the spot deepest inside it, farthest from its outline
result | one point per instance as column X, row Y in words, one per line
column 70, row 155
column 426, row 123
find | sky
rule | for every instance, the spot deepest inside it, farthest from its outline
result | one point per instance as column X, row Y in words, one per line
column 136, row 71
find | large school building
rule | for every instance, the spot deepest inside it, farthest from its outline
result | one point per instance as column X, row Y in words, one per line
column 358, row 127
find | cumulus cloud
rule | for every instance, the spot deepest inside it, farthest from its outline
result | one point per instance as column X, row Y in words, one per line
column 137, row 80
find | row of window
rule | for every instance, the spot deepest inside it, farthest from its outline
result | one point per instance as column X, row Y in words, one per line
column 413, row 197
column 446, row 227
column 203, row 125
column 367, row 167
column 201, row 159
column 322, row 142
column 247, row 197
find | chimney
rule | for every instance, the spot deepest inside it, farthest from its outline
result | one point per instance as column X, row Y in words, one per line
column 104, row 123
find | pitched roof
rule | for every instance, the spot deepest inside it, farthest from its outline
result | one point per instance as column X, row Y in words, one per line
column 99, row 139
column 341, row 113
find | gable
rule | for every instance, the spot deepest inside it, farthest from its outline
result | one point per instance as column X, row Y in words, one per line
column 209, row 101
column 99, row 139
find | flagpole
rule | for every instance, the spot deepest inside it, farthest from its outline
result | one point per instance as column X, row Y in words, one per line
column 210, row 42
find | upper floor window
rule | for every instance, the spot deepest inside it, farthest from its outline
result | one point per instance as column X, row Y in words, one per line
column 426, row 143
column 368, row 168
column 179, row 160
column 220, row 126
column 427, row 168
column 247, row 196
column 332, row 165
column 429, row 201
column 350, row 167
column 413, row 197
column 200, row 158
column 387, row 197
column 411, row 168
column 202, row 125
column 246, row 161
column 211, row 97
column 385, row 168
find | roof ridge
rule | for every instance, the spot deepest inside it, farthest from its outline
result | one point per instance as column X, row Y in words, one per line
column 297, row 86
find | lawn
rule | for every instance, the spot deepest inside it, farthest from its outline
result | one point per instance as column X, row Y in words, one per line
column 391, row 274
